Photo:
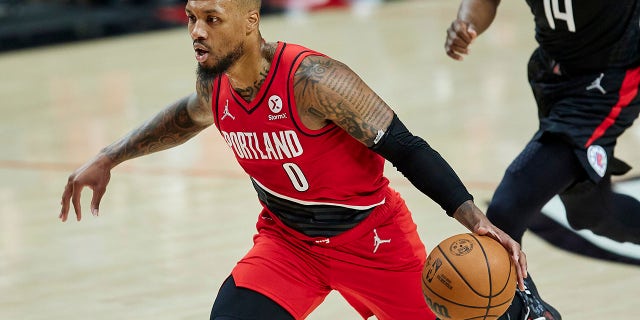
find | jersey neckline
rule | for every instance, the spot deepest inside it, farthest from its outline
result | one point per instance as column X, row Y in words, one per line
column 250, row 106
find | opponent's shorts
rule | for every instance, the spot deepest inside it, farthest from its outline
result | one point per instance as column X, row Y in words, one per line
column 589, row 110
column 376, row 266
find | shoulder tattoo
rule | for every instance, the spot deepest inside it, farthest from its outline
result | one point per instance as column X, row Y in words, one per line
column 331, row 91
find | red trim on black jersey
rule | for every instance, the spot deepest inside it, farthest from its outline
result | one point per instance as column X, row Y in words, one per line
column 628, row 91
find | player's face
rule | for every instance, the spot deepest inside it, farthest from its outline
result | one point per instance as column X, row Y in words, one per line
column 217, row 29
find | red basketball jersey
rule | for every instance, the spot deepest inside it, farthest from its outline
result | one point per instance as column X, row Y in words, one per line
column 325, row 166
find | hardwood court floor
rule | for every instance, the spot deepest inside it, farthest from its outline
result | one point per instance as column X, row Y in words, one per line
column 173, row 224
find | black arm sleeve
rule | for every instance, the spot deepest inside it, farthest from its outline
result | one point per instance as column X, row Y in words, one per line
column 423, row 166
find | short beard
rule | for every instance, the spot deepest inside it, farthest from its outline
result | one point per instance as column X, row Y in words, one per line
column 207, row 74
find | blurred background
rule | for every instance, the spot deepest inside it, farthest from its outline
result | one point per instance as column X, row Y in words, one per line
column 28, row 23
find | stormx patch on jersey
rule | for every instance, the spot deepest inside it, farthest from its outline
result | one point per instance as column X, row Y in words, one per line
column 275, row 105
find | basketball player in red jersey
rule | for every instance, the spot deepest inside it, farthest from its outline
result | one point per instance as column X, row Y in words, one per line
column 313, row 137
column 585, row 77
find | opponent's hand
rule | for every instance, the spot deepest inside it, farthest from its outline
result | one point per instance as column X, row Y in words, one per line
column 459, row 36
column 476, row 221
column 94, row 174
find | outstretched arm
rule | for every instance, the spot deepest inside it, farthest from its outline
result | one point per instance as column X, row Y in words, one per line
column 474, row 17
column 328, row 91
column 172, row 126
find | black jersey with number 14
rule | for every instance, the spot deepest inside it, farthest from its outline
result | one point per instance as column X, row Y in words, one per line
column 588, row 35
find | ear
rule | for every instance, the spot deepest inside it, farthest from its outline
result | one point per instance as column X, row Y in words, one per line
column 253, row 21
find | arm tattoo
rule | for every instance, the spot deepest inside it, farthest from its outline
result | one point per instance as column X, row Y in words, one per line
column 169, row 128
column 316, row 113
column 333, row 92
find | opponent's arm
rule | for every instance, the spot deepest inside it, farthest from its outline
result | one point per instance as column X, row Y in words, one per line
column 328, row 91
column 474, row 17
column 172, row 126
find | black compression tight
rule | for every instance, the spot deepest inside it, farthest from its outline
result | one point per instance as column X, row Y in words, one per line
column 236, row 303
column 545, row 169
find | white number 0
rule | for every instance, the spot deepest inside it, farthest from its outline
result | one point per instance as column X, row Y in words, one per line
column 553, row 12
column 296, row 176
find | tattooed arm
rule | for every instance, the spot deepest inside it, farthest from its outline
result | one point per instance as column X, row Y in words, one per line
column 172, row 126
column 328, row 91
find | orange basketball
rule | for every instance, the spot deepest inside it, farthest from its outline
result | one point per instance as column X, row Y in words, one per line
column 468, row 276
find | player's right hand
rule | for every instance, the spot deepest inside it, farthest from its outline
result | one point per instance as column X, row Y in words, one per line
column 94, row 174
column 459, row 36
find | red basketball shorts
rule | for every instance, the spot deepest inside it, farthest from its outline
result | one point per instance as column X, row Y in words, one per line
column 376, row 266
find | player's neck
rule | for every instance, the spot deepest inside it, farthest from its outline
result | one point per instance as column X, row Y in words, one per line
column 250, row 71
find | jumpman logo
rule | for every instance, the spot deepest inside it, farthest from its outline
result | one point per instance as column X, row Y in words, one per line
column 377, row 241
column 596, row 84
column 226, row 112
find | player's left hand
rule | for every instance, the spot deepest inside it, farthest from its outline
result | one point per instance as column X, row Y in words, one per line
column 94, row 174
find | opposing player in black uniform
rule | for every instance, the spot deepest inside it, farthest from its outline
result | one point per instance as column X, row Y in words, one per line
column 585, row 76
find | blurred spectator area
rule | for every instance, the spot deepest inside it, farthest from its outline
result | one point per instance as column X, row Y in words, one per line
column 28, row 23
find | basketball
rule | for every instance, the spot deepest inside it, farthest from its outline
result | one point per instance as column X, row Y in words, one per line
column 468, row 276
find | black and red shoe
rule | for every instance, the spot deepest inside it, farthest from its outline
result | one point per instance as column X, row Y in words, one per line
column 527, row 305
